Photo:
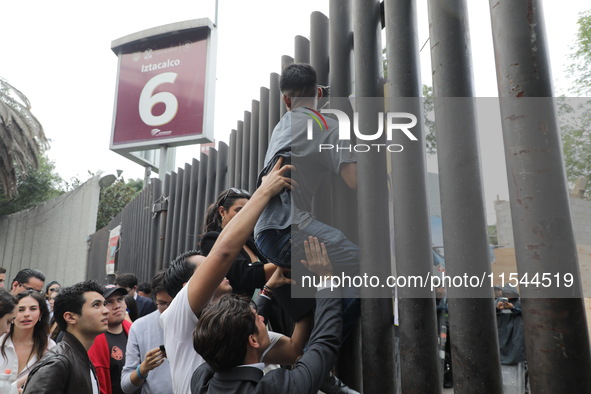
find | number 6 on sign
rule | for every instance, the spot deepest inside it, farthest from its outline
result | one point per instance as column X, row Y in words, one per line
column 148, row 100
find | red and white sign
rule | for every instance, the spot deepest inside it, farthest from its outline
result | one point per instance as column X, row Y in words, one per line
column 162, row 89
column 112, row 249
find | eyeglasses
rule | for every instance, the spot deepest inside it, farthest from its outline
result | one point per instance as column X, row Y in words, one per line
column 52, row 289
column 29, row 288
column 237, row 192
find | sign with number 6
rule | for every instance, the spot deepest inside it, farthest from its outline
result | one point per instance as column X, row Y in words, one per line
column 164, row 92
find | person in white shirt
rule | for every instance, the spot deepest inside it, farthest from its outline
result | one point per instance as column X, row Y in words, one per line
column 146, row 365
column 28, row 339
column 208, row 282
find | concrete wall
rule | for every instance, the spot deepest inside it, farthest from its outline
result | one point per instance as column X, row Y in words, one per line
column 51, row 237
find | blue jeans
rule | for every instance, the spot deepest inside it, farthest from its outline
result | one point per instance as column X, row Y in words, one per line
column 285, row 248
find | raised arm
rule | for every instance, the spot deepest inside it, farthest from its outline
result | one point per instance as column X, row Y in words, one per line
column 210, row 273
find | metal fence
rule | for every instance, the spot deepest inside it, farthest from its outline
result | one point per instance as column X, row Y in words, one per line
column 164, row 220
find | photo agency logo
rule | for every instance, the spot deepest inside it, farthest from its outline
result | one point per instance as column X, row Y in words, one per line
column 395, row 122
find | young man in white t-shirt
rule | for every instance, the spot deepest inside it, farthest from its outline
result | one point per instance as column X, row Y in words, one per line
column 208, row 281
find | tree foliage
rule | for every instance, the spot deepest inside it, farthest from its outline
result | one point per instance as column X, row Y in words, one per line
column 33, row 186
column 22, row 140
column 114, row 198
column 581, row 66
column 574, row 116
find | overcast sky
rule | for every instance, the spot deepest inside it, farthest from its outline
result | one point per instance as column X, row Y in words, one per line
column 58, row 54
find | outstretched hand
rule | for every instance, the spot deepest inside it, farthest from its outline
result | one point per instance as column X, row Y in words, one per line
column 317, row 257
column 275, row 180
column 278, row 279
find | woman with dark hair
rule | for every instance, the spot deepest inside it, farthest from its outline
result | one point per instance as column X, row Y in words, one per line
column 250, row 270
column 54, row 329
column 7, row 313
column 52, row 287
column 27, row 341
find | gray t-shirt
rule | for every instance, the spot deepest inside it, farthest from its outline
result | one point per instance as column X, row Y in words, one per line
column 290, row 140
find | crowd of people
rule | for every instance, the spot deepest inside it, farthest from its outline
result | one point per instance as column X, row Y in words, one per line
column 217, row 319
column 221, row 318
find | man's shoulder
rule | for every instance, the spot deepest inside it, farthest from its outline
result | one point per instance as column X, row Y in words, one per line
column 61, row 355
column 141, row 300
column 200, row 379
column 145, row 321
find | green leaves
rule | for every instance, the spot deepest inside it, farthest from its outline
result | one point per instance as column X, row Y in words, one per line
column 114, row 198
column 21, row 138
column 581, row 66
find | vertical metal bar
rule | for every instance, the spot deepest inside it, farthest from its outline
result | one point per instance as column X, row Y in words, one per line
column 245, row 152
column 341, row 52
column 184, row 235
column 231, row 172
column 162, row 222
column 237, row 181
column 163, row 166
column 349, row 366
column 472, row 324
column 222, row 168
column 143, row 239
column 168, row 240
column 201, row 186
column 301, row 50
column 412, row 240
column 341, row 47
column 191, row 206
column 376, row 313
column 319, row 46
column 285, row 61
column 155, row 189
column 556, row 336
column 253, row 154
column 274, row 103
column 176, row 216
column 263, row 128
column 211, row 179
column 319, row 60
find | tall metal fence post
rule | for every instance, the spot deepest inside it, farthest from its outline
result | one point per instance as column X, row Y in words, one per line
column 319, row 60
column 301, row 53
column 237, row 181
column 556, row 336
column 274, row 103
column 201, row 180
column 253, row 154
column 222, row 168
column 349, row 365
column 263, row 128
column 231, row 172
column 412, row 241
column 376, row 313
column 192, row 206
column 285, row 61
column 472, row 317
column 184, row 233
column 212, row 174
column 245, row 152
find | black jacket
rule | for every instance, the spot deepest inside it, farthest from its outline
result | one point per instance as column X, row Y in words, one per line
column 244, row 275
column 306, row 375
column 65, row 369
